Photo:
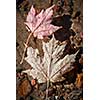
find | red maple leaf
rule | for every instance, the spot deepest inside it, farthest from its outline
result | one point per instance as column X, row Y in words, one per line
column 40, row 24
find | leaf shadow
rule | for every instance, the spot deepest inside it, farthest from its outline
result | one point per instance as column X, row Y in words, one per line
column 65, row 32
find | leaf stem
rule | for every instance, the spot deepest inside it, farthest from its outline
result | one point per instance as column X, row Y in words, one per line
column 47, row 92
column 27, row 41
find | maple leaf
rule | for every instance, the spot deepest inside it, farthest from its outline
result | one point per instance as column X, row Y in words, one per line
column 39, row 24
column 51, row 66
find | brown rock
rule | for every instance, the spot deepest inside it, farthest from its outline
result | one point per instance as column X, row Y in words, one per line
column 24, row 88
column 79, row 80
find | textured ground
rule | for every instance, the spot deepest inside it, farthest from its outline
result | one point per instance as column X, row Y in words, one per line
column 70, row 16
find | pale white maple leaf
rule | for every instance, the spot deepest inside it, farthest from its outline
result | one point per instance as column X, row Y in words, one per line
column 40, row 24
column 51, row 66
